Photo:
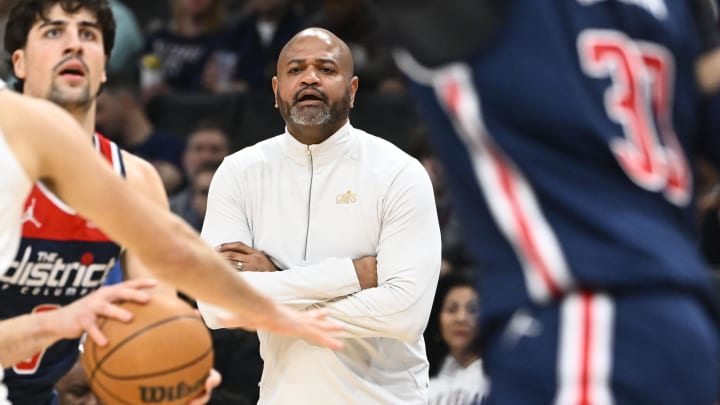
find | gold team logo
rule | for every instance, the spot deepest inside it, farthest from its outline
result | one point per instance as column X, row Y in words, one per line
column 346, row 198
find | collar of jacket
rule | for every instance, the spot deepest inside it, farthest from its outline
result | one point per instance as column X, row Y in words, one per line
column 331, row 149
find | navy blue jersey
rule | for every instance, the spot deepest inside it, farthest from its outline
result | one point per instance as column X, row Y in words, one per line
column 568, row 142
column 62, row 257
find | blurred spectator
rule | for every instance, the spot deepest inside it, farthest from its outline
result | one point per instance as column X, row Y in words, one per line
column 357, row 23
column 5, row 65
column 207, row 143
column 129, row 39
column 206, row 146
column 708, row 205
column 200, row 184
column 176, row 54
column 121, row 117
column 192, row 206
column 248, row 59
column 456, row 376
column 73, row 388
column 454, row 251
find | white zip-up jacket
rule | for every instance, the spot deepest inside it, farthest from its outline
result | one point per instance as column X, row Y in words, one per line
column 313, row 209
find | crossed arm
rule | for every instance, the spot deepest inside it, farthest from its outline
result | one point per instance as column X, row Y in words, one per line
column 408, row 263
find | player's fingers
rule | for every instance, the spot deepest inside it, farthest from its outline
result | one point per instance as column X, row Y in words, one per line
column 214, row 379
column 115, row 312
column 322, row 314
column 95, row 334
column 328, row 326
column 326, row 339
column 140, row 283
column 203, row 399
column 123, row 292
column 323, row 329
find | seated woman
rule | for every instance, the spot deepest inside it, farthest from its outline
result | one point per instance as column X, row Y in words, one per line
column 456, row 375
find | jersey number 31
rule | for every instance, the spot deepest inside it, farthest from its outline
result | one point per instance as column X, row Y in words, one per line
column 640, row 100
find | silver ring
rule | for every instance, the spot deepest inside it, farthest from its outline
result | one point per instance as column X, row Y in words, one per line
column 239, row 265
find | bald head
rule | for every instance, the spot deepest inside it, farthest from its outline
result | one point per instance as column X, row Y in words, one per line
column 316, row 39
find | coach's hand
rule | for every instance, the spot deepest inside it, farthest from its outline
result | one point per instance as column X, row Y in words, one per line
column 245, row 258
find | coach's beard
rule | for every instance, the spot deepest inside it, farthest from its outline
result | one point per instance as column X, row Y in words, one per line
column 324, row 114
column 310, row 115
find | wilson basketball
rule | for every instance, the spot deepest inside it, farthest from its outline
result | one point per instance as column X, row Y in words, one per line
column 162, row 356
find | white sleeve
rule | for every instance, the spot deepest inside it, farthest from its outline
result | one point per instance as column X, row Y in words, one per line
column 3, row 388
column 298, row 286
column 408, row 263
column 225, row 219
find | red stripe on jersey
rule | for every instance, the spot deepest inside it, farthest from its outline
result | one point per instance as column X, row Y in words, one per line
column 104, row 146
column 526, row 238
column 586, row 349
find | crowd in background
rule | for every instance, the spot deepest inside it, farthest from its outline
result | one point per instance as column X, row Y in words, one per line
column 190, row 83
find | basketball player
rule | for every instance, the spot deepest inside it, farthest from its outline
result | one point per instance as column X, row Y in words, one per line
column 569, row 129
column 38, row 149
column 313, row 199
column 59, row 50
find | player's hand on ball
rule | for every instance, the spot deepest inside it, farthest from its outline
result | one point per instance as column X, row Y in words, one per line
column 164, row 356
column 213, row 380
column 81, row 316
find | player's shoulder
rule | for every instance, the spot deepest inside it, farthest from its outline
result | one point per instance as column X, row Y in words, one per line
column 136, row 166
column 141, row 175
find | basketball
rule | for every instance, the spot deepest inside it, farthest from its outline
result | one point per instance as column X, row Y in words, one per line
column 162, row 356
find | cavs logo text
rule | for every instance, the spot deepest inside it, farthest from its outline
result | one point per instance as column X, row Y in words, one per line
column 49, row 275
column 346, row 198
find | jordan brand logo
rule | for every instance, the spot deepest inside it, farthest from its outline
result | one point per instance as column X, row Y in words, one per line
column 29, row 215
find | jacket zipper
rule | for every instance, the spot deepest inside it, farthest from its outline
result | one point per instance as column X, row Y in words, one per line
column 307, row 229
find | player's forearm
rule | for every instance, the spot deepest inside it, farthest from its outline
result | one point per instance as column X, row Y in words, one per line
column 203, row 274
column 134, row 268
column 24, row 336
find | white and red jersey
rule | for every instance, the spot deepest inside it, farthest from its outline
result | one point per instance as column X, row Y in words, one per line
column 62, row 257
column 14, row 186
